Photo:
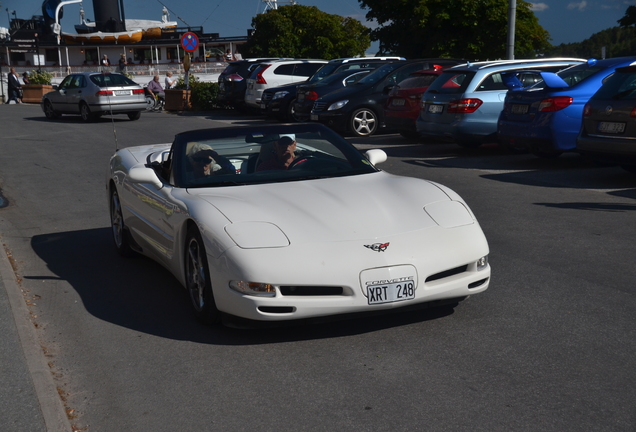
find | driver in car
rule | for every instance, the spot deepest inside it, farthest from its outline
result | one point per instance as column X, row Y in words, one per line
column 283, row 155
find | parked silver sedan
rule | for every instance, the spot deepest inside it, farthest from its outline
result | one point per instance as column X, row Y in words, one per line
column 92, row 94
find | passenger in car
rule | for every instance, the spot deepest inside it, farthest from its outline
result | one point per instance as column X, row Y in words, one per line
column 205, row 161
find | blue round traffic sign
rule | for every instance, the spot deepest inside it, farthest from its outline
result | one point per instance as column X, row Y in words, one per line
column 190, row 42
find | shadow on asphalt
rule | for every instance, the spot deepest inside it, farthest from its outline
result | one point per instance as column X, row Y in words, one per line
column 141, row 295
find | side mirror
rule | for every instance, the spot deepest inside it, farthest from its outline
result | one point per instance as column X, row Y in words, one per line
column 376, row 156
column 142, row 174
column 388, row 88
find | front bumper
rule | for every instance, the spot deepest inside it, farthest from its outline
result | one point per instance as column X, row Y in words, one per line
column 446, row 271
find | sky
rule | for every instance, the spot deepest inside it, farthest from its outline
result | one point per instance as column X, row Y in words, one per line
column 566, row 21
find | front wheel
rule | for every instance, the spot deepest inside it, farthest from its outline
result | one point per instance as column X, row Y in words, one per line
column 49, row 112
column 120, row 233
column 364, row 122
column 197, row 278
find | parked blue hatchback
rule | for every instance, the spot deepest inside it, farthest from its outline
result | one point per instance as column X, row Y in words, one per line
column 545, row 118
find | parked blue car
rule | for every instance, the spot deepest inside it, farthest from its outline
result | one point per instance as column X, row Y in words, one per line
column 545, row 118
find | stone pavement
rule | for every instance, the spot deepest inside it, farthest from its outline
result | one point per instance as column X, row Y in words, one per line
column 28, row 395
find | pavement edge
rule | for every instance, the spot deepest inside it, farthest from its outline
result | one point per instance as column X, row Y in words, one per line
column 51, row 406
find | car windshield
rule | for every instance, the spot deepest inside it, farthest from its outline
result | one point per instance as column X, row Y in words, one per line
column 256, row 155
column 620, row 86
column 323, row 72
column 112, row 80
column 380, row 73
column 579, row 73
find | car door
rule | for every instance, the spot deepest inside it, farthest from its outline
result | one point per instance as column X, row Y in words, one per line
column 59, row 97
column 75, row 93
column 155, row 211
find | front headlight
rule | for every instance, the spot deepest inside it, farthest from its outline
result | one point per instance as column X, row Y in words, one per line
column 280, row 94
column 253, row 288
column 337, row 105
column 482, row 263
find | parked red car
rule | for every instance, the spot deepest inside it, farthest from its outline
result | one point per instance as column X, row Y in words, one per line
column 403, row 104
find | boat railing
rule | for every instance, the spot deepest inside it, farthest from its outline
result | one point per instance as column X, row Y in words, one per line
column 141, row 73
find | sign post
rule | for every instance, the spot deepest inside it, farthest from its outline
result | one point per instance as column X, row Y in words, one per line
column 190, row 43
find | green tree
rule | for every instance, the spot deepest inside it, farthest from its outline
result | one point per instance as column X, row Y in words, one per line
column 475, row 29
column 306, row 32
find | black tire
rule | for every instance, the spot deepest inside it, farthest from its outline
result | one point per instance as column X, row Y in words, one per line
column 409, row 134
column 469, row 144
column 363, row 122
column 291, row 112
column 134, row 115
column 547, row 154
column 85, row 112
column 150, row 103
column 49, row 112
column 121, row 237
column 197, row 279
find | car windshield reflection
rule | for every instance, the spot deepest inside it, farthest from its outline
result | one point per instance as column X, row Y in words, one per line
column 232, row 157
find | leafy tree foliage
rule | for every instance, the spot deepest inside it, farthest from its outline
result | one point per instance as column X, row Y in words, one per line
column 475, row 29
column 630, row 17
column 306, row 32
column 618, row 42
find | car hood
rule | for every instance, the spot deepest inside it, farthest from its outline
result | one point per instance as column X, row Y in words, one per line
column 338, row 209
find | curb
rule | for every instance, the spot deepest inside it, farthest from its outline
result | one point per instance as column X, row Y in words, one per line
column 51, row 406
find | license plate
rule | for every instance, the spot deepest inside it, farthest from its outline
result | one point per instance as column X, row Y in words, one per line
column 391, row 292
column 519, row 109
column 313, row 117
column 611, row 127
column 122, row 92
column 435, row 109
column 398, row 102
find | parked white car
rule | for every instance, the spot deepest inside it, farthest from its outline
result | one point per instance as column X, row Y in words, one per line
column 278, row 73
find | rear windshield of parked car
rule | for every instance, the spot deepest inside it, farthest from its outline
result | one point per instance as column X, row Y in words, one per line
column 620, row 86
column 579, row 73
column 451, row 82
column 108, row 80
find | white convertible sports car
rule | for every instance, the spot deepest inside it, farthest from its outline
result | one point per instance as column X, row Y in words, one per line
column 251, row 235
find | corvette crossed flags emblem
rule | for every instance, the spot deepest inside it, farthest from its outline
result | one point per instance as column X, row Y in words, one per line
column 378, row 247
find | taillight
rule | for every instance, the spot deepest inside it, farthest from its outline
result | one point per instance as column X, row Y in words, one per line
column 104, row 93
column 633, row 112
column 464, row 106
column 234, row 78
column 138, row 91
column 311, row 95
column 587, row 110
column 555, row 104
column 259, row 75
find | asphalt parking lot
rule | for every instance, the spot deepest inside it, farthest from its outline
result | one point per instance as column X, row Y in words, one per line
column 549, row 346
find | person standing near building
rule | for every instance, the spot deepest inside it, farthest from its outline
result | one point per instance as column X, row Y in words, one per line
column 14, row 86
column 169, row 81
column 122, row 64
